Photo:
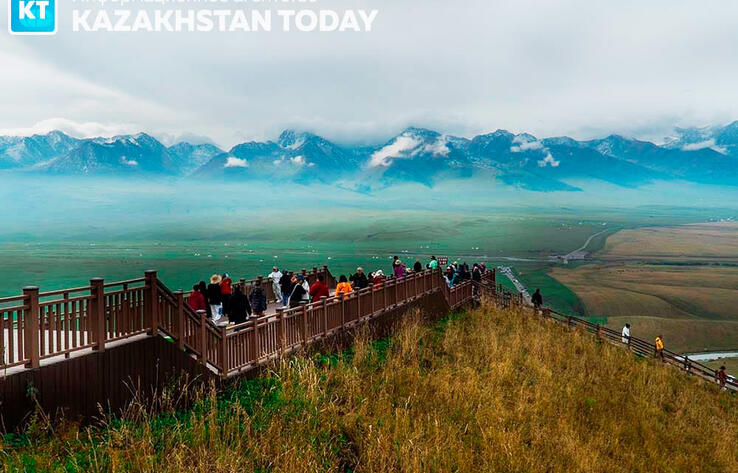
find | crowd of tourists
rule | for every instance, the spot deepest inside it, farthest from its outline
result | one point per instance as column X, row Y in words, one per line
column 219, row 300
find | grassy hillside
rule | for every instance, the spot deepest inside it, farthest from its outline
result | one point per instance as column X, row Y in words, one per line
column 483, row 391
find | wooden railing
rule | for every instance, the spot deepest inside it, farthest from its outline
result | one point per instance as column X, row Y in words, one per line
column 507, row 299
column 38, row 326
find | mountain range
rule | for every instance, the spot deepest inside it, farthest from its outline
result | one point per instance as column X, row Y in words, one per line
column 701, row 155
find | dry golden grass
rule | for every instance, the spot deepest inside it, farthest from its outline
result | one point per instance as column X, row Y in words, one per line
column 695, row 242
column 485, row 392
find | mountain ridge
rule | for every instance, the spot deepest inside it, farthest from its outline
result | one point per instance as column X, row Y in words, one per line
column 701, row 155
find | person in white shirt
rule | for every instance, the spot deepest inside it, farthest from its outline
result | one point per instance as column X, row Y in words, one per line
column 626, row 334
column 275, row 277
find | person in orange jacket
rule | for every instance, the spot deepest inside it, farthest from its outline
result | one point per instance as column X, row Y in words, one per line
column 659, row 348
column 344, row 287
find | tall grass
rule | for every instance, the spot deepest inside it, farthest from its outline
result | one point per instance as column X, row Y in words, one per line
column 484, row 391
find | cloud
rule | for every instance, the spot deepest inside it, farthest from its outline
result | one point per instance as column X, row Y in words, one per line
column 408, row 146
column 399, row 148
column 709, row 144
column 438, row 148
column 233, row 162
column 527, row 146
column 73, row 128
column 298, row 160
column 127, row 162
column 548, row 160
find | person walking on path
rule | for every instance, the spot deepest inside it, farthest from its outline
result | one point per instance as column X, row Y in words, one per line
column 239, row 307
column 537, row 300
column 319, row 289
column 214, row 297
column 197, row 299
column 433, row 263
column 359, row 280
column 275, row 276
column 626, row 334
column 659, row 351
column 344, row 287
column 722, row 378
column 285, row 285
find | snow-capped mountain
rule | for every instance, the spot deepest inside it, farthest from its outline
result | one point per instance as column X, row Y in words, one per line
column 705, row 155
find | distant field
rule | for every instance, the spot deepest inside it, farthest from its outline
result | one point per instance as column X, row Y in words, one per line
column 704, row 241
column 694, row 307
column 680, row 281
column 731, row 365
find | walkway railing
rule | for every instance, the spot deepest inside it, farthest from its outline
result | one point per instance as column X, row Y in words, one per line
column 507, row 299
column 39, row 326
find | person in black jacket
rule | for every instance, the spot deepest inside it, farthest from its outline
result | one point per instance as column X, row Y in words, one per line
column 285, row 284
column 297, row 296
column 537, row 300
column 214, row 297
column 258, row 299
column 418, row 267
column 239, row 307
column 359, row 280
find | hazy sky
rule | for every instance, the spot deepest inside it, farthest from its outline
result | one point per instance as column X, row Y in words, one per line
column 582, row 68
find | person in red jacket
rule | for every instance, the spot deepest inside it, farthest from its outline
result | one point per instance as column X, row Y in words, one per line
column 197, row 299
column 226, row 291
column 319, row 290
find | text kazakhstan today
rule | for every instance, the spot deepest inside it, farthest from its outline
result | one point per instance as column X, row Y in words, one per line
column 222, row 20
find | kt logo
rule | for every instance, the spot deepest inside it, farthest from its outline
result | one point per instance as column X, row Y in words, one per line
column 32, row 17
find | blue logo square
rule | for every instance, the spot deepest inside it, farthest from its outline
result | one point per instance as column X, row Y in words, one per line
column 32, row 17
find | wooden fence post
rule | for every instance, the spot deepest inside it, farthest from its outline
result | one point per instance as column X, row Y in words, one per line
column 257, row 342
column 280, row 330
column 97, row 313
column 180, row 333
column 343, row 311
column 324, row 303
column 546, row 313
column 203, row 336
column 151, row 305
column 31, row 330
column 358, row 304
column 568, row 322
column 304, row 323
column 371, row 292
column 224, row 352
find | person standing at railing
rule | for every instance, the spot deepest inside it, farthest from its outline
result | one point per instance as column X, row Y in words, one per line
column 344, row 287
column 399, row 269
column 285, row 285
column 418, row 267
column 378, row 278
column 659, row 351
column 450, row 277
column 359, row 280
column 275, row 276
column 306, row 286
column 215, row 298
column 722, row 378
column 226, row 291
column 625, row 335
column 239, row 307
column 433, row 264
column 197, row 299
column 319, row 289
column 258, row 299
column 298, row 294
